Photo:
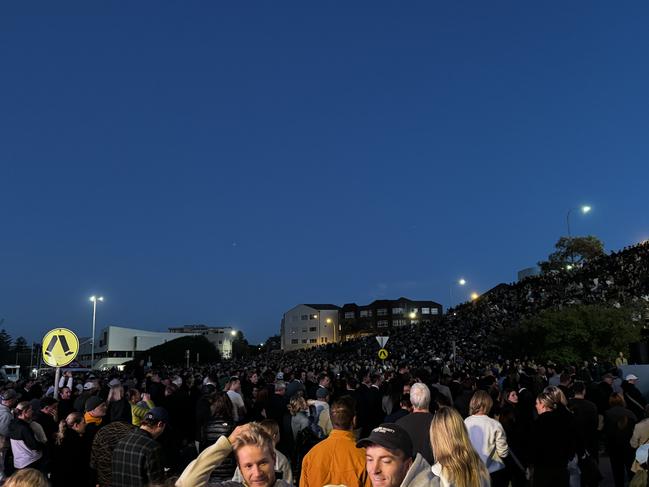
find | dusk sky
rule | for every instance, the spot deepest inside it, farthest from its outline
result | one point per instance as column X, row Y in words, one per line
column 220, row 162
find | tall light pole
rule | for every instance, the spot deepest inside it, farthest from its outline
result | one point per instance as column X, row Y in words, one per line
column 460, row 282
column 584, row 210
column 94, row 300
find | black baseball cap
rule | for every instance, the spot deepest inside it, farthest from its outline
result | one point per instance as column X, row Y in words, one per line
column 390, row 436
column 156, row 415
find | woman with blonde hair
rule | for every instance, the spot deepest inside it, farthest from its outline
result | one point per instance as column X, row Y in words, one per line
column 488, row 437
column 299, row 410
column 71, row 453
column 458, row 464
column 28, row 477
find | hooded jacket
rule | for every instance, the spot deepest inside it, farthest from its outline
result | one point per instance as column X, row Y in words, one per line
column 419, row 474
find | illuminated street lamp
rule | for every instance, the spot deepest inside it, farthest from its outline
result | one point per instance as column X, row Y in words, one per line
column 474, row 296
column 584, row 209
column 460, row 282
column 94, row 300
column 413, row 315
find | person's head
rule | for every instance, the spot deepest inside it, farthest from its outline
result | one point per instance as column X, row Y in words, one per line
column 631, row 378
column 27, row 477
column 322, row 394
column 324, row 380
column 96, row 407
column 342, row 413
column 406, row 388
column 271, row 427
column 481, row 403
column 10, row 398
column 616, row 399
column 545, row 403
column 388, row 455
column 420, row 396
column 155, row 421
column 65, row 393
column 255, row 454
column 297, row 404
column 24, row 411
column 74, row 422
column 608, row 378
column 579, row 388
column 453, row 450
column 557, row 395
column 222, row 406
column 511, row 396
column 234, row 384
column 280, row 388
column 134, row 395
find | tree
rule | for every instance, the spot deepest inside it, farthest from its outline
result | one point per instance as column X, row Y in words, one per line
column 569, row 335
column 572, row 251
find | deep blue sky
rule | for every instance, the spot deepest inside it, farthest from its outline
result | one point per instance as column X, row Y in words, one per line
column 220, row 162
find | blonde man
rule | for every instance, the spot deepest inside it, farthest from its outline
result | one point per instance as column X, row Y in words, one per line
column 253, row 448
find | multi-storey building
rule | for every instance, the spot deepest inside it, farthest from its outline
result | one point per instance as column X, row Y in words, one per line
column 310, row 325
column 221, row 336
column 382, row 315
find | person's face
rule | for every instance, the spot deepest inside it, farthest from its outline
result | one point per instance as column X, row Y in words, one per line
column 386, row 469
column 513, row 397
column 254, row 378
column 66, row 393
column 99, row 411
column 406, row 389
column 136, row 397
column 540, row 408
column 80, row 427
column 257, row 466
column 326, row 381
column 28, row 413
column 236, row 386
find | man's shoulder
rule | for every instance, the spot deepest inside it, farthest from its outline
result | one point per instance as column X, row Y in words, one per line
column 415, row 420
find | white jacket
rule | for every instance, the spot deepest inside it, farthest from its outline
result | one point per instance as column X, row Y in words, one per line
column 489, row 440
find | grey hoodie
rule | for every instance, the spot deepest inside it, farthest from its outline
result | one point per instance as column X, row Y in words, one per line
column 419, row 474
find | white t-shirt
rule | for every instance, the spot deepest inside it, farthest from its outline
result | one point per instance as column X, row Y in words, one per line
column 237, row 403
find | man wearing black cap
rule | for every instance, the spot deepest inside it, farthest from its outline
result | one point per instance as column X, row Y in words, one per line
column 137, row 458
column 389, row 459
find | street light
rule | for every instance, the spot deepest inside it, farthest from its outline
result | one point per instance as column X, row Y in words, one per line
column 94, row 300
column 460, row 282
column 474, row 296
column 584, row 209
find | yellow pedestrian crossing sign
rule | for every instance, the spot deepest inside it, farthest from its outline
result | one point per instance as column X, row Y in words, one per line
column 60, row 347
column 383, row 354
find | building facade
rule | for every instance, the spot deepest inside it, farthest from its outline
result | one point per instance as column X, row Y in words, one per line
column 310, row 325
column 383, row 315
column 220, row 336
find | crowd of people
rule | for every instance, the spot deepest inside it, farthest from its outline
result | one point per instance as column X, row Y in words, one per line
column 439, row 411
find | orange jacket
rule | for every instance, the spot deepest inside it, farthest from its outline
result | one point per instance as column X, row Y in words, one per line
column 335, row 460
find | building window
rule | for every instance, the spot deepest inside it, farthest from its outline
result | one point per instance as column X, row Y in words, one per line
column 382, row 312
column 304, row 329
column 366, row 313
column 382, row 323
column 425, row 311
column 313, row 328
column 397, row 311
column 305, row 317
column 434, row 311
column 349, row 315
column 313, row 340
column 398, row 322
column 294, row 341
column 323, row 339
column 304, row 340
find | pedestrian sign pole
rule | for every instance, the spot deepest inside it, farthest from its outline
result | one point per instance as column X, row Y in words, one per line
column 383, row 353
column 60, row 347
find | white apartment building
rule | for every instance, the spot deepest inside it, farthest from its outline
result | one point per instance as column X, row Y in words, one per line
column 310, row 325
column 220, row 336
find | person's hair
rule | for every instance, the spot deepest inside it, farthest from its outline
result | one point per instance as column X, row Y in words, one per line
column 420, row 395
column 255, row 436
column 557, row 395
column 116, row 393
column 71, row 420
column 297, row 404
column 351, row 382
column 616, row 399
column 280, row 385
column 132, row 393
column 453, row 450
column 21, row 407
column 271, row 427
column 27, row 477
column 171, row 389
column 481, row 402
column 222, row 406
column 342, row 413
column 322, row 376
column 579, row 387
column 405, row 401
column 547, row 400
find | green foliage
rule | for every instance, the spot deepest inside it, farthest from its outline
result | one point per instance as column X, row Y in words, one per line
column 173, row 352
column 569, row 335
column 572, row 251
